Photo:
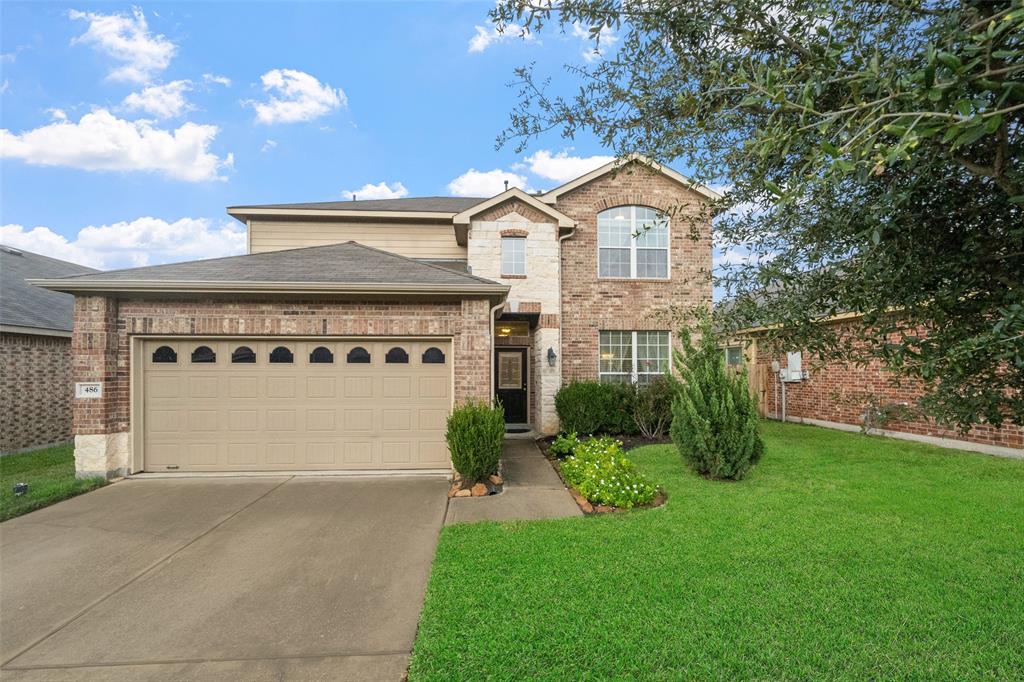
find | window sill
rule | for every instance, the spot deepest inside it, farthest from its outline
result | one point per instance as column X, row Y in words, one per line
column 635, row 279
column 513, row 276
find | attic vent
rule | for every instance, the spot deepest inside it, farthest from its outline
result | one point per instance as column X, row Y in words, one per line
column 10, row 250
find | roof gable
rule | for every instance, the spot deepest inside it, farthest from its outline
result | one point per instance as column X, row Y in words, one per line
column 618, row 164
column 558, row 217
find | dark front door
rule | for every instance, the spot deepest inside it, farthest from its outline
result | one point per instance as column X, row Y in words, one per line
column 510, row 383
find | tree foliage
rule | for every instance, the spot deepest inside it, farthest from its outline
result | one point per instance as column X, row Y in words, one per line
column 714, row 416
column 873, row 155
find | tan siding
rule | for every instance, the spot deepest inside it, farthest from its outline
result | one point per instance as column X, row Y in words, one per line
column 412, row 240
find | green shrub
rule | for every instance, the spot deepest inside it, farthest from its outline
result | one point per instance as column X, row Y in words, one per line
column 652, row 407
column 475, row 434
column 714, row 416
column 593, row 407
column 600, row 471
column 563, row 446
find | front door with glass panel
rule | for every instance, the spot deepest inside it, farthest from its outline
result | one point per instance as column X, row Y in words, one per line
column 510, row 383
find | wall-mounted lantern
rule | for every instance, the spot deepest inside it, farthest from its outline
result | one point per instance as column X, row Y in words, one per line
column 552, row 357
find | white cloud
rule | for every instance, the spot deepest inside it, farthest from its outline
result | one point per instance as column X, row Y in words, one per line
column 143, row 241
column 268, row 145
column 606, row 39
column 127, row 39
column 102, row 142
column 561, row 167
column 474, row 183
column 163, row 101
column 5, row 86
column 296, row 96
column 212, row 78
column 381, row 190
column 486, row 36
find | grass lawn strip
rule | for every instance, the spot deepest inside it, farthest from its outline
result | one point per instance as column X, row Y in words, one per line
column 50, row 474
column 840, row 556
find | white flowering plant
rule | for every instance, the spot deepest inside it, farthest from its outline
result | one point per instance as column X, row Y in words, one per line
column 601, row 472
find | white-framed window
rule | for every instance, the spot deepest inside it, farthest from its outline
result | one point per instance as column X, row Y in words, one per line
column 633, row 357
column 513, row 255
column 632, row 243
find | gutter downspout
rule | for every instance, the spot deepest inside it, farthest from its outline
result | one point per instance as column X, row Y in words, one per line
column 494, row 309
column 561, row 313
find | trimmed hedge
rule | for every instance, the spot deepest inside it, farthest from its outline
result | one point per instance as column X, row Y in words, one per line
column 588, row 407
column 475, row 434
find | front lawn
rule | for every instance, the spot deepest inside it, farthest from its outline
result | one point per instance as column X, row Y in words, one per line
column 50, row 475
column 839, row 556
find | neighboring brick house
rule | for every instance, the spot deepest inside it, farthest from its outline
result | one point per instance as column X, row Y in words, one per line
column 35, row 352
column 345, row 336
column 842, row 395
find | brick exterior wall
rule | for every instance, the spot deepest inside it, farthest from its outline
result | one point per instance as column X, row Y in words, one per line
column 35, row 391
column 591, row 304
column 839, row 392
column 105, row 326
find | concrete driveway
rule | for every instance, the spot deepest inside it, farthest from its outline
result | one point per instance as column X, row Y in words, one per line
column 220, row 578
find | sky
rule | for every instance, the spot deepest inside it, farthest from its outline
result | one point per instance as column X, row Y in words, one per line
column 128, row 129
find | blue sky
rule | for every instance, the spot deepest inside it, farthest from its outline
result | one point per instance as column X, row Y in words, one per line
column 127, row 129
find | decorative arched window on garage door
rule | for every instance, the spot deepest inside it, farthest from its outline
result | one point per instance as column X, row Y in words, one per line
column 281, row 355
column 433, row 356
column 203, row 354
column 243, row 354
column 165, row 354
column 397, row 355
column 321, row 356
column 358, row 356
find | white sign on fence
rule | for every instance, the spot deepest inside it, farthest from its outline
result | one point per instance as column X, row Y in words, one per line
column 89, row 389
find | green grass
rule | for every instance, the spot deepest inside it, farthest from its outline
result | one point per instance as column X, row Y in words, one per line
column 50, row 474
column 839, row 556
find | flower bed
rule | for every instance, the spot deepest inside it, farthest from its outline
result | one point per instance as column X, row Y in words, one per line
column 602, row 477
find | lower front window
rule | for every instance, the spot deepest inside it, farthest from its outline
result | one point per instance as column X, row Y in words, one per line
column 633, row 356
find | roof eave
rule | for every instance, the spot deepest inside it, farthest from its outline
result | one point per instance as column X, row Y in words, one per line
column 498, row 291
column 244, row 213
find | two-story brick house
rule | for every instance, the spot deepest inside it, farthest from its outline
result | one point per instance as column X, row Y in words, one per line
column 345, row 335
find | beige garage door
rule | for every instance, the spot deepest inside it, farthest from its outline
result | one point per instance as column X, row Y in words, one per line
column 279, row 404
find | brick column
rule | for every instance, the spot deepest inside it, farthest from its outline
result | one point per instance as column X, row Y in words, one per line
column 101, row 438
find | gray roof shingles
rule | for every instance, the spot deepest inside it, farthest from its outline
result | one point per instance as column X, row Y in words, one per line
column 417, row 204
column 345, row 263
column 23, row 305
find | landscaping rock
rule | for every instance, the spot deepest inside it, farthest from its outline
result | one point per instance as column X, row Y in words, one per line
column 603, row 508
column 456, row 487
column 479, row 490
column 496, row 479
column 464, row 492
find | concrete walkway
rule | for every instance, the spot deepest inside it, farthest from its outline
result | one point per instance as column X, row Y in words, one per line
column 235, row 578
column 532, row 491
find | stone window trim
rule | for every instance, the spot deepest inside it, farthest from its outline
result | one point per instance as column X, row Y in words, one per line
column 513, row 277
column 515, row 233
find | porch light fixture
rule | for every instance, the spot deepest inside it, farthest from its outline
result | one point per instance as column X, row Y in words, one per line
column 551, row 356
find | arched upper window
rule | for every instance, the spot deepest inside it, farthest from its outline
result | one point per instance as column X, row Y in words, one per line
column 321, row 355
column 203, row 354
column 358, row 356
column 396, row 355
column 280, row 355
column 165, row 354
column 433, row 356
column 632, row 243
column 243, row 354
